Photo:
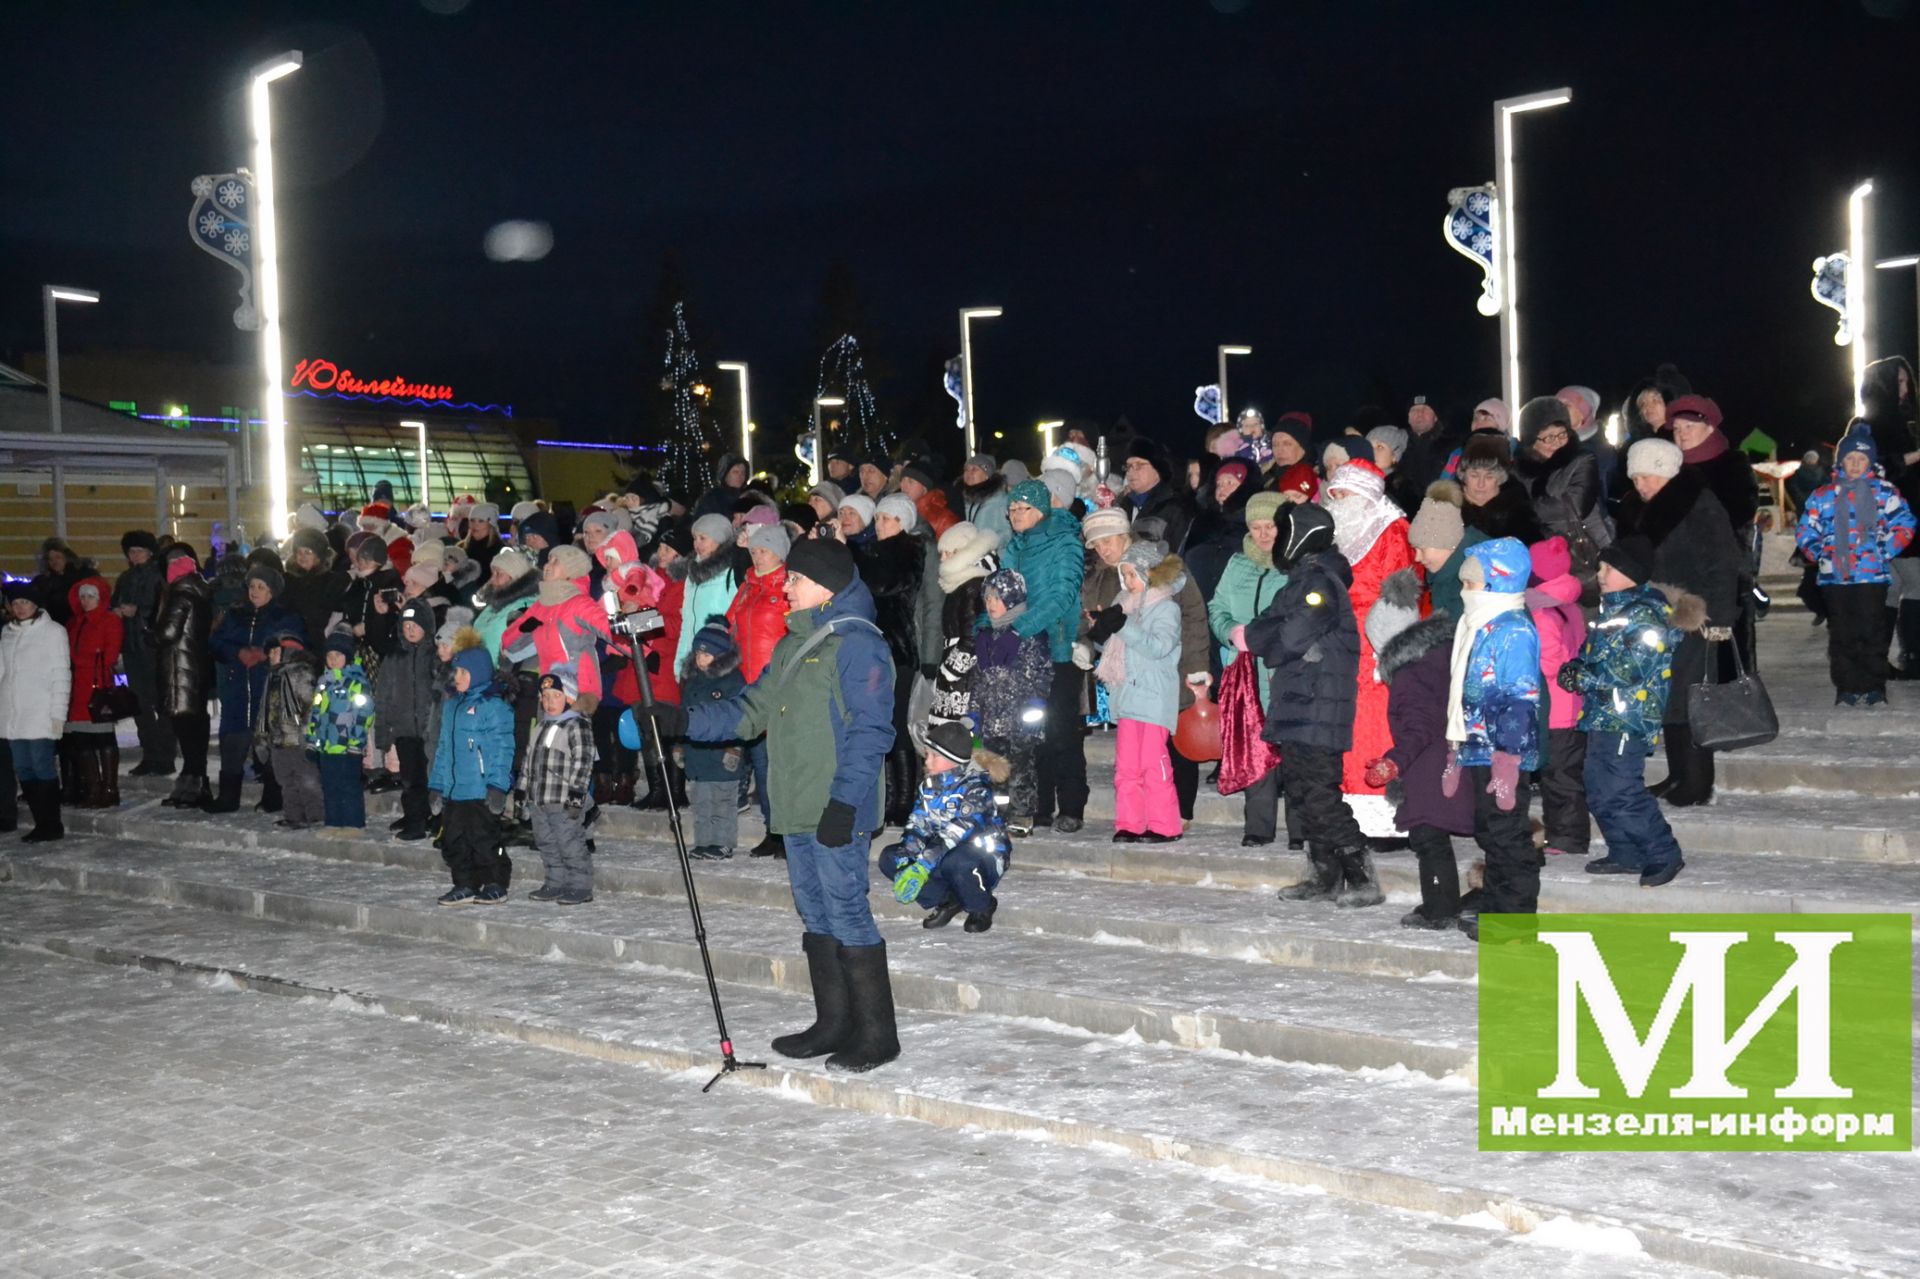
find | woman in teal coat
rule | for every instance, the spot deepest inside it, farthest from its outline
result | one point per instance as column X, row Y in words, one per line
column 1246, row 589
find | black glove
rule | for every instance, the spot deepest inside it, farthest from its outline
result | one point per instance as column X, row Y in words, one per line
column 930, row 669
column 496, row 801
column 669, row 720
column 836, row 825
column 653, row 663
column 1569, row 678
column 1105, row 622
column 575, row 799
column 529, row 623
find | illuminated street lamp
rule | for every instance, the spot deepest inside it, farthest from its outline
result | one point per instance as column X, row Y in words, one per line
column 1859, row 253
column 1906, row 260
column 267, row 264
column 819, row 434
column 421, row 427
column 968, row 314
column 1506, row 218
column 51, row 296
column 746, row 415
column 1222, row 353
column 1046, row 436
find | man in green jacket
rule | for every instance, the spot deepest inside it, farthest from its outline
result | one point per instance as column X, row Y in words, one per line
column 825, row 702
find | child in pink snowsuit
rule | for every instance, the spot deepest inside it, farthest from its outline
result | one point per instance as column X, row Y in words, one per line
column 1553, row 601
column 1140, row 665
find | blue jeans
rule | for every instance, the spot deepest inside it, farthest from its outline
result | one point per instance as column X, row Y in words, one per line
column 34, row 760
column 830, row 889
column 1629, row 816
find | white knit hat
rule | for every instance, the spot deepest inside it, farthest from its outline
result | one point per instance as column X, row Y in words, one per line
column 1654, row 457
column 861, row 505
column 901, row 508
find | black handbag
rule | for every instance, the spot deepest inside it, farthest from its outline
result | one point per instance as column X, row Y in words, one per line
column 110, row 701
column 1727, row 717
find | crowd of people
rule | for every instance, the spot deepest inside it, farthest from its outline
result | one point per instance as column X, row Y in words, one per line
column 1424, row 624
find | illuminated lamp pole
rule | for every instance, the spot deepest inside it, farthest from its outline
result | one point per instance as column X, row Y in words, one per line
column 968, row 314
column 51, row 296
column 1859, row 248
column 820, row 435
column 421, row 429
column 1222, row 353
column 267, row 264
column 1046, row 436
column 746, row 413
column 1506, row 217
column 1905, row 260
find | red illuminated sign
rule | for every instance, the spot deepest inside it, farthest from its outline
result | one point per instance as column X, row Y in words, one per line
column 325, row 375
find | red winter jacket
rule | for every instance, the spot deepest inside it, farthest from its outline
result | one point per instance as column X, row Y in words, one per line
column 658, row 650
column 94, row 638
column 561, row 632
column 758, row 619
column 932, row 507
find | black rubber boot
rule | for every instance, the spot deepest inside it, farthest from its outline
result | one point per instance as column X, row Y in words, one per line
column 1323, row 878
column 771, row 846
column 655, row 800
column 1691, row 768
column 901, row 787
column 228, row 800
column 832, row 1027
column 43, row 801
column 875, row 1040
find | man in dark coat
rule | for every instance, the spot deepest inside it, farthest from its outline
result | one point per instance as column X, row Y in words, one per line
column 239, row 647
column 1309, row 639
column 1150, row 492
column 1430, row 442
column 1694, row 548
column 1887, row 403
column 136, row 598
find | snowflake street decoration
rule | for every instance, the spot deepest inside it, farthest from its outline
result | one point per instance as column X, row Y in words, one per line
column 1206, row 402
column 843, row 372
column 1468, row 228
column 1830, row 290
column 955, row 382
column 219, row 222
column 687, row 472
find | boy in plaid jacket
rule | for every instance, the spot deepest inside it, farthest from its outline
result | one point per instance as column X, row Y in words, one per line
column 558, row 775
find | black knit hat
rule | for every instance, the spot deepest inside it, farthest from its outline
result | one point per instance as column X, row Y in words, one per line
column 141, row 538
column 951, row 739
column 679, row 538
column 1632, row 556
column 826, row 562
column 918, row 472
column 1150, row 452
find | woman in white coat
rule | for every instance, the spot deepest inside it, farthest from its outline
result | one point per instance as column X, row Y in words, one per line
column 36, row 674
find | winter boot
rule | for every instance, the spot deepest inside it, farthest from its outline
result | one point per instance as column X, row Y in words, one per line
column 942, row 915
column 832, row 1027
column 771, row 846
column 228, row 800
column 874, row 1041
column 43, row 800
column 1689, row 766
column 1323, row 878
column 677, row 778
column 271, row 800
column 622, row 790
column 655, row 800
column 602, row 787
column 72, row 790
column 110, row 775
column 195, row 793
column 85, row 780
column 901, row 788
column 1362, row 886
column 185, row 792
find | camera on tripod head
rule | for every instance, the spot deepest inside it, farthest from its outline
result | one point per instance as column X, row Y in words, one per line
column 639, row 625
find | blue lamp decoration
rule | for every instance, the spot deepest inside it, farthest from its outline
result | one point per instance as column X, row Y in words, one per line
column 1469, row 232
column 1830, row 290
column 220, row 222
column 1206, row 403
column 955, row 382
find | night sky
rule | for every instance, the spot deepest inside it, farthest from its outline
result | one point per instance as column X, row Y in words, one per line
column 1133, row 182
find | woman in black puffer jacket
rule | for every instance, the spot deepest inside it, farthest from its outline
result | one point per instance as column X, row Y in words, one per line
column 180, row 645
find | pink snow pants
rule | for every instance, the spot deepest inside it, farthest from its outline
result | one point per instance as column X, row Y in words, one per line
column 1144, row 800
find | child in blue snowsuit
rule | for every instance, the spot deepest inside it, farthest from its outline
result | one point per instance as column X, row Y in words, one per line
column 338, row 726
column 1624, row 674
column 956, row 848
column 472, row 776
column 1493, row 723
column 1853, row 528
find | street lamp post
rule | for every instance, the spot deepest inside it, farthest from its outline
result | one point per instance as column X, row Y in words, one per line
column 420, row 429
column 267, row 264
column 820, row 435
column 1506, row 218
column 1226, row 415
column 746, row 412
column 968, row 314
column 1905, row 260
column 1859, row 314
column 1046, row 430
column 51, row 296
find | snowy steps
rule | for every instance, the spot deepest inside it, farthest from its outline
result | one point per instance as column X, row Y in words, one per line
column 1392, row 1137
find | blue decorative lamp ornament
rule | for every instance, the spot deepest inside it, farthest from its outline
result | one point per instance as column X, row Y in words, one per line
column 1469, row 232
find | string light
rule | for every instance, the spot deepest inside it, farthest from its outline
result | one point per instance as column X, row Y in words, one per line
column 843, row 372
column 685, row 473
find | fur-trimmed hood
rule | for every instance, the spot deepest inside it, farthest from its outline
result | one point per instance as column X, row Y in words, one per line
column 995, row 483
column 526, row 586
column 467, row 575
column 994, row 766
column 1412, row 644
column 724, row 664
column 1169, row 575
column 704, row 568
column 1689, row 610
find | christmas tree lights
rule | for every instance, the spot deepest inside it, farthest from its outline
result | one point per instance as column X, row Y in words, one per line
column 690, row 439
column 844, row 373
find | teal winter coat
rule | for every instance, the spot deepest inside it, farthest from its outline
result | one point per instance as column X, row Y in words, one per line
column 1243, row 593
column 1050, row 557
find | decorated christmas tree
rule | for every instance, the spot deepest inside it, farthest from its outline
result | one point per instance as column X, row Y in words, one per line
column 844, row 373
column 687, row 431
